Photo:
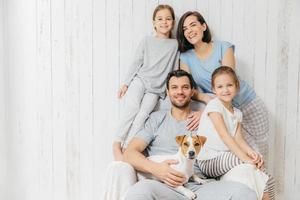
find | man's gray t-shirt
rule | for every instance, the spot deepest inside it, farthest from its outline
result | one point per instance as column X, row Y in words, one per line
column 160, row 132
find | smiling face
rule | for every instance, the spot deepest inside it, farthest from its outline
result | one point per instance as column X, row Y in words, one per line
column 225, row 87
column 163, row 23
column 180, row 91
column 193, row 29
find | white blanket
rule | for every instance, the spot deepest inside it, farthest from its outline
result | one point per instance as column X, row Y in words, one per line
column 249, row 175
column 120, row 176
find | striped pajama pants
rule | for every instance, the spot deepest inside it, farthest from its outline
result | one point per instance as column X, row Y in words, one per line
column 218, row 166
column 255, row 126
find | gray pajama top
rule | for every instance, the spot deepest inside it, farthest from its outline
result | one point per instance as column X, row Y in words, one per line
column 153, row 60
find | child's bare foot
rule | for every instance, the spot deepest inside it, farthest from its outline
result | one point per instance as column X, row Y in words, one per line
column 118, row 156
column 117, row 151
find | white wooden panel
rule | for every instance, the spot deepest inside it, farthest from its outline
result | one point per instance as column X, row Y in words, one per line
column 126, row 50
column 291, row 190
column 23, row 149
column 112, row 66
column 297, row 141
column 3, row 133
column 13, row 115
column 180, row 7
column 28, row 129
column 150, row 6
column 140, row 22
column 271, row 80
column 214, row 18
column 226, row 13
column 246, row 65
column 169, row 2
column 238, row 39
column 281, row 98
column 260, row 47
column 84, row 53
column 72, row 84
column 60, row 106
column 102, row 137
column 203, row 8
column 44, row 100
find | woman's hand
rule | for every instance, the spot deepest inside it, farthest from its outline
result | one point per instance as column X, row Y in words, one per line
column 193, row 121
column 207, row 98
column 204, row 97
column 122, row 91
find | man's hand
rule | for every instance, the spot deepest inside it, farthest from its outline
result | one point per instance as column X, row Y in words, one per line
column 193, row 121
column 122, row 91
column 165, row 173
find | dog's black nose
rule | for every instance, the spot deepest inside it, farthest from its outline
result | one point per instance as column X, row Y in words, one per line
column 191, row 153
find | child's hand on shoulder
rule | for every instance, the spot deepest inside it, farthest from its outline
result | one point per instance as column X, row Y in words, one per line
column 122, row 91
column 193, row 121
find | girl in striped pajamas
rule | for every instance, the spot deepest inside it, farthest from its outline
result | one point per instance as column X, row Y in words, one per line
column 220, row 122
column 201, row 55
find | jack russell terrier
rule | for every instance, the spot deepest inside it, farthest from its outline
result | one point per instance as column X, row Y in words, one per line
column 189, row 148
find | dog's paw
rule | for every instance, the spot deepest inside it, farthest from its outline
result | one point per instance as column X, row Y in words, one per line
column 191, row 195
column 201, row 181
column 204, row 181
column 194, row 197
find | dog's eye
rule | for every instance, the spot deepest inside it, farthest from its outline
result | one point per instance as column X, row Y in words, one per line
column 197, row 144
column 186, row 144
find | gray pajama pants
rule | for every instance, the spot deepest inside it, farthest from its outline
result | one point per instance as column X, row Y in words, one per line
column 220, row 165
column 138, row 104
column 255, row 126
column 120, row 183
column 217, row 190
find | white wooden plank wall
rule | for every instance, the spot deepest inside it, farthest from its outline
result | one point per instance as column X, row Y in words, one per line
column 61, row 64
column 3, row 141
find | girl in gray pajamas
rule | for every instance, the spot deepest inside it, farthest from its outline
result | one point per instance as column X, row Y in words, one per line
column 144, row 83
column 220, row 122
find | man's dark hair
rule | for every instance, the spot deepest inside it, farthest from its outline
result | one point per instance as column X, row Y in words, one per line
column 180, row 73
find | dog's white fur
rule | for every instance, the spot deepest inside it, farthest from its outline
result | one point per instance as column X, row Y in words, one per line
column 186, row 156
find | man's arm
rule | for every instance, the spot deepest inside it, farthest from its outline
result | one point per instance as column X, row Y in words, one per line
column 133, row 155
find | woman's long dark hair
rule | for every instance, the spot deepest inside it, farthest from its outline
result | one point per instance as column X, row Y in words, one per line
column 183, row 44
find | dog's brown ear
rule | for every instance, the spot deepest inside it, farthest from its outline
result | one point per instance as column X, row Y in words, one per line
column 179, row 139
column 202, row 139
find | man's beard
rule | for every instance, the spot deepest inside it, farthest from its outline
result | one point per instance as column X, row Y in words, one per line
column 185, row 105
